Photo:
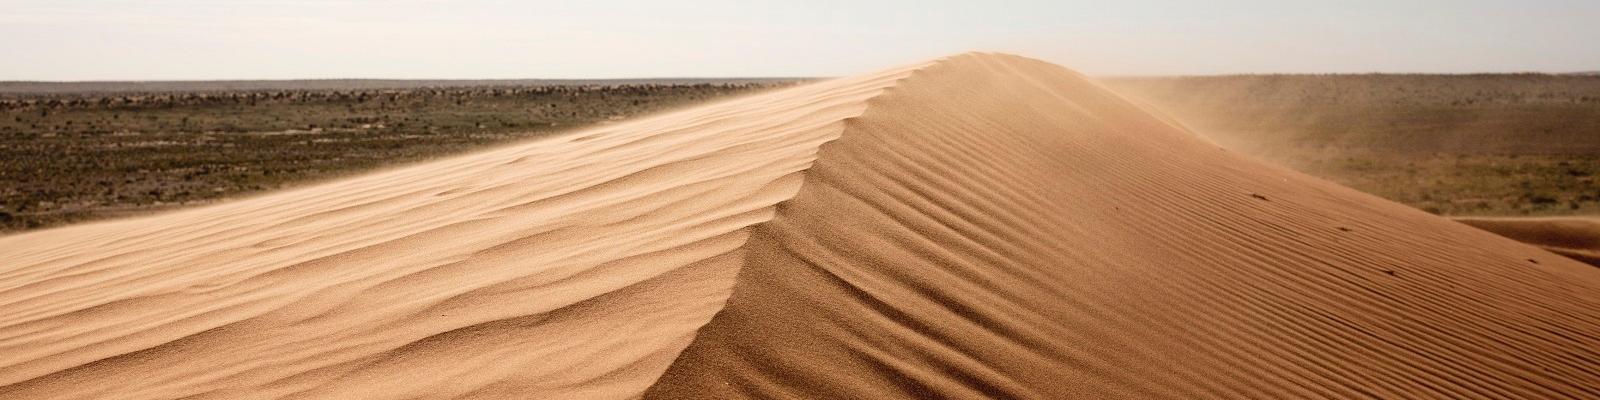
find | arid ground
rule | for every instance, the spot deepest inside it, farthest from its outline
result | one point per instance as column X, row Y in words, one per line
column 1460, row 145
column 81, row 151
column 1482, row 145
column 976, row 226
column 1489, row 149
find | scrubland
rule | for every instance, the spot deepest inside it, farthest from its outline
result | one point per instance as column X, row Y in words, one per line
column 1491, row 144
column 116, row 149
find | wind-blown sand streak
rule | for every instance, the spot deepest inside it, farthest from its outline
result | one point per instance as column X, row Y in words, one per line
column 981, row 226
column 574, row 267
column 1014, row 230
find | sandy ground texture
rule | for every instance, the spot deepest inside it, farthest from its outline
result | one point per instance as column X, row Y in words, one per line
column 569, row 268
column 1577, row 238
column 979, row 226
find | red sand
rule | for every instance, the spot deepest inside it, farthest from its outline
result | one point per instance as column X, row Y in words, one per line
column 1577, row 238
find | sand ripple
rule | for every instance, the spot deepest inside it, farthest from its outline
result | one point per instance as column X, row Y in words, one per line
column 980, row 226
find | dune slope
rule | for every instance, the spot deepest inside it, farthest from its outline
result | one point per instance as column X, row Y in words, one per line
column 1000, row 227
column 569, row 268
column 1577, row 238
column 979, row 226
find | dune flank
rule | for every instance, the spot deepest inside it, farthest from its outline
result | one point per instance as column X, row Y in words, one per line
column 569, row 268
column 979, row 226
column 1577, row 238
column 1001, row 227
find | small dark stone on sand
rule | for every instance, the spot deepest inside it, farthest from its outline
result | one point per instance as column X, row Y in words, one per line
column 1258, row 196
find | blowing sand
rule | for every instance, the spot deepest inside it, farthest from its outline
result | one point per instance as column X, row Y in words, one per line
column 979, row 226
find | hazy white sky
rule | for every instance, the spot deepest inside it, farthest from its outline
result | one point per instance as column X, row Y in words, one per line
column 277, row 39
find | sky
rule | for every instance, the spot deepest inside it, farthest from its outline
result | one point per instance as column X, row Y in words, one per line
column 487, row 39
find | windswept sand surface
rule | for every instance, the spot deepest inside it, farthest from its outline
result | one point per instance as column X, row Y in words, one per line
column 1575, row 237
column 569, row 268
column 980, row 226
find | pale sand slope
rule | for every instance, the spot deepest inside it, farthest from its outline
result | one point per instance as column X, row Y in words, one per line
column 988, row 226
column 570, row 268
column 999, row 227
column 1575, row 237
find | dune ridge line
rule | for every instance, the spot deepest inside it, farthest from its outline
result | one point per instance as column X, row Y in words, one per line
column 1001, row 227
column 978, row 226
column 576, row 266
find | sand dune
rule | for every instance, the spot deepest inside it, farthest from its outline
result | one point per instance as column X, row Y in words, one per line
column 1577, row 238
column 576, row 267
column 983, row 225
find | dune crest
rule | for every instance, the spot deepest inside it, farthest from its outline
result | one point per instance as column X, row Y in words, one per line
column 575, row 267
column 1014, row 230
column 979, row 226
